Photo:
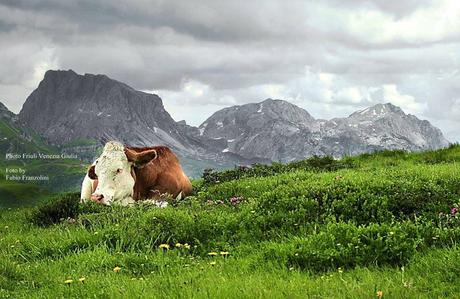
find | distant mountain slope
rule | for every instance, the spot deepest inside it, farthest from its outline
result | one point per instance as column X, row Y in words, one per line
column 386, row 126
column 16, row 138
column 280, row 131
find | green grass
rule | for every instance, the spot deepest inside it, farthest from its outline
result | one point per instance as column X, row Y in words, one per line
column 14, row 194
column 383, row 222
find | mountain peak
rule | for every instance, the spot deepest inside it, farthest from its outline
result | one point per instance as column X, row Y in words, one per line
column 271, row 101
column 278, row 102
column 64, row 76
column 69, row 71
column 389, row 106
column 52, row 74
column 378, row 110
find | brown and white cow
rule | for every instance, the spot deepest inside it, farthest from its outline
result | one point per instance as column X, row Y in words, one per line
column 124, row 175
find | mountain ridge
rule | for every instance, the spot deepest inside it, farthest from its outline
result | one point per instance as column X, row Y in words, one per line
column 379, row 127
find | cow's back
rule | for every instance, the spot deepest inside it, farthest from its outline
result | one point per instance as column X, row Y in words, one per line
column 161, row 175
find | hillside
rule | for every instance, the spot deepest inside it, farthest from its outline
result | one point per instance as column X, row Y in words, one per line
column 384, row 224
column 17, row 139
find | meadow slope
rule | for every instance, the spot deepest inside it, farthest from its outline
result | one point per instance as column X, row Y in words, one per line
column 377, row 225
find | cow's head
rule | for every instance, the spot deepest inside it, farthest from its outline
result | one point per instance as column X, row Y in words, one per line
column 113, row 170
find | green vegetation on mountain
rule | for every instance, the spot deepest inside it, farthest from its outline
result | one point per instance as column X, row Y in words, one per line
column 15, row 139
column 386, row 222
column 64, row 174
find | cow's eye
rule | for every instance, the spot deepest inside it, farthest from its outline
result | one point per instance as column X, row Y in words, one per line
column 119, row 170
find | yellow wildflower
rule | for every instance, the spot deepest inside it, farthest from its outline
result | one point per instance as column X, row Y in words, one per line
column 379, row 294
column 186, row 246
column 116, row 269
column 224, row 253
column 340, row 270
column 82, row 279
column 164, row 246
column 68, row 281
column 212, row 253
column 178, row 245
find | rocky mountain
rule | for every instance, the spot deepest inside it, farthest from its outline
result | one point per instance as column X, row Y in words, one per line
column 280, row 131
column 67, row 106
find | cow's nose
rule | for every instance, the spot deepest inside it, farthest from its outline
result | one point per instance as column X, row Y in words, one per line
column 97, row 197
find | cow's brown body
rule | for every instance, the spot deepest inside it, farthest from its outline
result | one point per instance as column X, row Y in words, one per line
column 161, row 175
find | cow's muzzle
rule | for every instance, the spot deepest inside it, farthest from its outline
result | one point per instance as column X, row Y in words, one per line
column 97, row 198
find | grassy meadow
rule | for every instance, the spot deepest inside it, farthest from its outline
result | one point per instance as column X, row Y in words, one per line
column 383, row 225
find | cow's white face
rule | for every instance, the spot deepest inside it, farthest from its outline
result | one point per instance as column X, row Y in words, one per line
column 113, row 170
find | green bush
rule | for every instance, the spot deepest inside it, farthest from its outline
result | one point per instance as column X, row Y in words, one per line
column 447, row 155
column 345, row 245
column 315, row 163
column 55, row 210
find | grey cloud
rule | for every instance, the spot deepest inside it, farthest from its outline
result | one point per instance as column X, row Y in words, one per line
column 239, row 51
column 396, row 8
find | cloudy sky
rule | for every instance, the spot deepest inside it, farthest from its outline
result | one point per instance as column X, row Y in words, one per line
column 330, row 57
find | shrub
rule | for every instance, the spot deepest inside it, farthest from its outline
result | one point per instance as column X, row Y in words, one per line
column 345, row 245
column 315, row 163
column 450, row 154
column 56, row 209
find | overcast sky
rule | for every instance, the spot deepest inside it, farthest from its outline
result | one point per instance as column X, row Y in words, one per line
column 330, row 57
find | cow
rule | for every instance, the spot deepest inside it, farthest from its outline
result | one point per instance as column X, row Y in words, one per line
column 123, row 175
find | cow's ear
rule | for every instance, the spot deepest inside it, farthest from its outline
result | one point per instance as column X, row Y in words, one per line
column 142, row 158
column 92, row 172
